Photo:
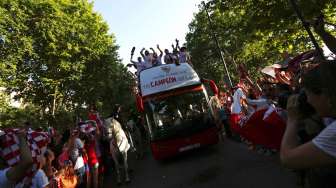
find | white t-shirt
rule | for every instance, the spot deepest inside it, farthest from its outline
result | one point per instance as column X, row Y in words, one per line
column 75, row 151
column 147, row 64
column 140, row 66
column 183, row 57
column 4, row 182
column 40, row 180
column 79, row 163
column 148, row 61
column 326, row 140
column 236, row 106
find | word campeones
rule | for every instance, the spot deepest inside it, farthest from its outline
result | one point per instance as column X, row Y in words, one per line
column 168, row 80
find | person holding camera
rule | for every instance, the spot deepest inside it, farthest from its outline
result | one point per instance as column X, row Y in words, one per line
column 320, row 152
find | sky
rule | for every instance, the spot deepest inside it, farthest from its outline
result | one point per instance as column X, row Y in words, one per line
column 146, row 23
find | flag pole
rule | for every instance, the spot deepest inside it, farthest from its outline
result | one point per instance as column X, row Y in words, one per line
column 217, row 44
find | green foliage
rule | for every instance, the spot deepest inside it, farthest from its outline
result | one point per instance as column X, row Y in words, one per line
column 4, row 102
column 15, row 117
column 252, row 32
column 57, row 55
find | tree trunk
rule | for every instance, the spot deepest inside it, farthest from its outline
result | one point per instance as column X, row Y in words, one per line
column 54, row 101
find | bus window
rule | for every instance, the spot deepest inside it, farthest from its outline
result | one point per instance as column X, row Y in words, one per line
column 176, row 113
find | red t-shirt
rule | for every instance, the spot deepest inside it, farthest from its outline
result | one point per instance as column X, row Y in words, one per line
column 91, row 153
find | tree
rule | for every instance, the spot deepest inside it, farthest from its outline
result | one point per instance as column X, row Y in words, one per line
column 58, row 55
column 252, row 32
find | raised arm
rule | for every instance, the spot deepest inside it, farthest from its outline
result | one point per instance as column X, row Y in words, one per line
column 17, row 172
column 153, row 50
column 161, row 53
column 142, row 53
column 173, row 47
column 177, row 45
column 132, row 54
column 131, row 60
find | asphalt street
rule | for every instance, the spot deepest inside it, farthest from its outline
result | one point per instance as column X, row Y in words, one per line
column 227, row 164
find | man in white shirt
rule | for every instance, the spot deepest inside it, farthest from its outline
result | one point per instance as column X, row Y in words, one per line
column 239, row 99
column 139, row 65
column 183, row 55
column 157, row 60
column 148, row 58
column 238, row 107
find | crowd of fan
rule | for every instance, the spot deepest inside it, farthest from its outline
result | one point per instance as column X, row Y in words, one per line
column 49, row 159
column 293, row 112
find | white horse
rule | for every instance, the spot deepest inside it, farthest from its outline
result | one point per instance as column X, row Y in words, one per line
column 119, row 144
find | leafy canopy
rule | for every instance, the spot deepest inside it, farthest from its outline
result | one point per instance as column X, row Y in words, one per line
column 251, row 32
column 58, row 55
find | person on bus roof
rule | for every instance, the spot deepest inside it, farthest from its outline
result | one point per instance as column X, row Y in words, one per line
column 183, row 55
column 139, row 65
column 157, row 60
column 175, row 54
column 168, row 57
column 148, row 58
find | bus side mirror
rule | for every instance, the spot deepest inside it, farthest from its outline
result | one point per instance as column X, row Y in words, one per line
column 212, row 85
column 139, row 103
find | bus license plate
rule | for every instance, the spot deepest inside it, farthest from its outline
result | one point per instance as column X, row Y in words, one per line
column 189, row 147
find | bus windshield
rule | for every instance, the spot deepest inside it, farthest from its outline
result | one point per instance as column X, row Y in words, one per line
column 177, row 114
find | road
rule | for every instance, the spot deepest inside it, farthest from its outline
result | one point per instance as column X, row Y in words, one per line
column 228, row 164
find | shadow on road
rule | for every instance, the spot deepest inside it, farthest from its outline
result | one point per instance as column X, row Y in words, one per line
column 228, row 164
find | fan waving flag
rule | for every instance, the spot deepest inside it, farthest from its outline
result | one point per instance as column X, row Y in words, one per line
column 86, row 127
column 10, row 151
column 264, row 127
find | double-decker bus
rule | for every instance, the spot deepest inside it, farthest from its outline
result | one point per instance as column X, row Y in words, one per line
column 176, row 109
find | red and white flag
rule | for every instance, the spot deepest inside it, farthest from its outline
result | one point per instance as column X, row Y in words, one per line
column 87, row 128
column 10, row 151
